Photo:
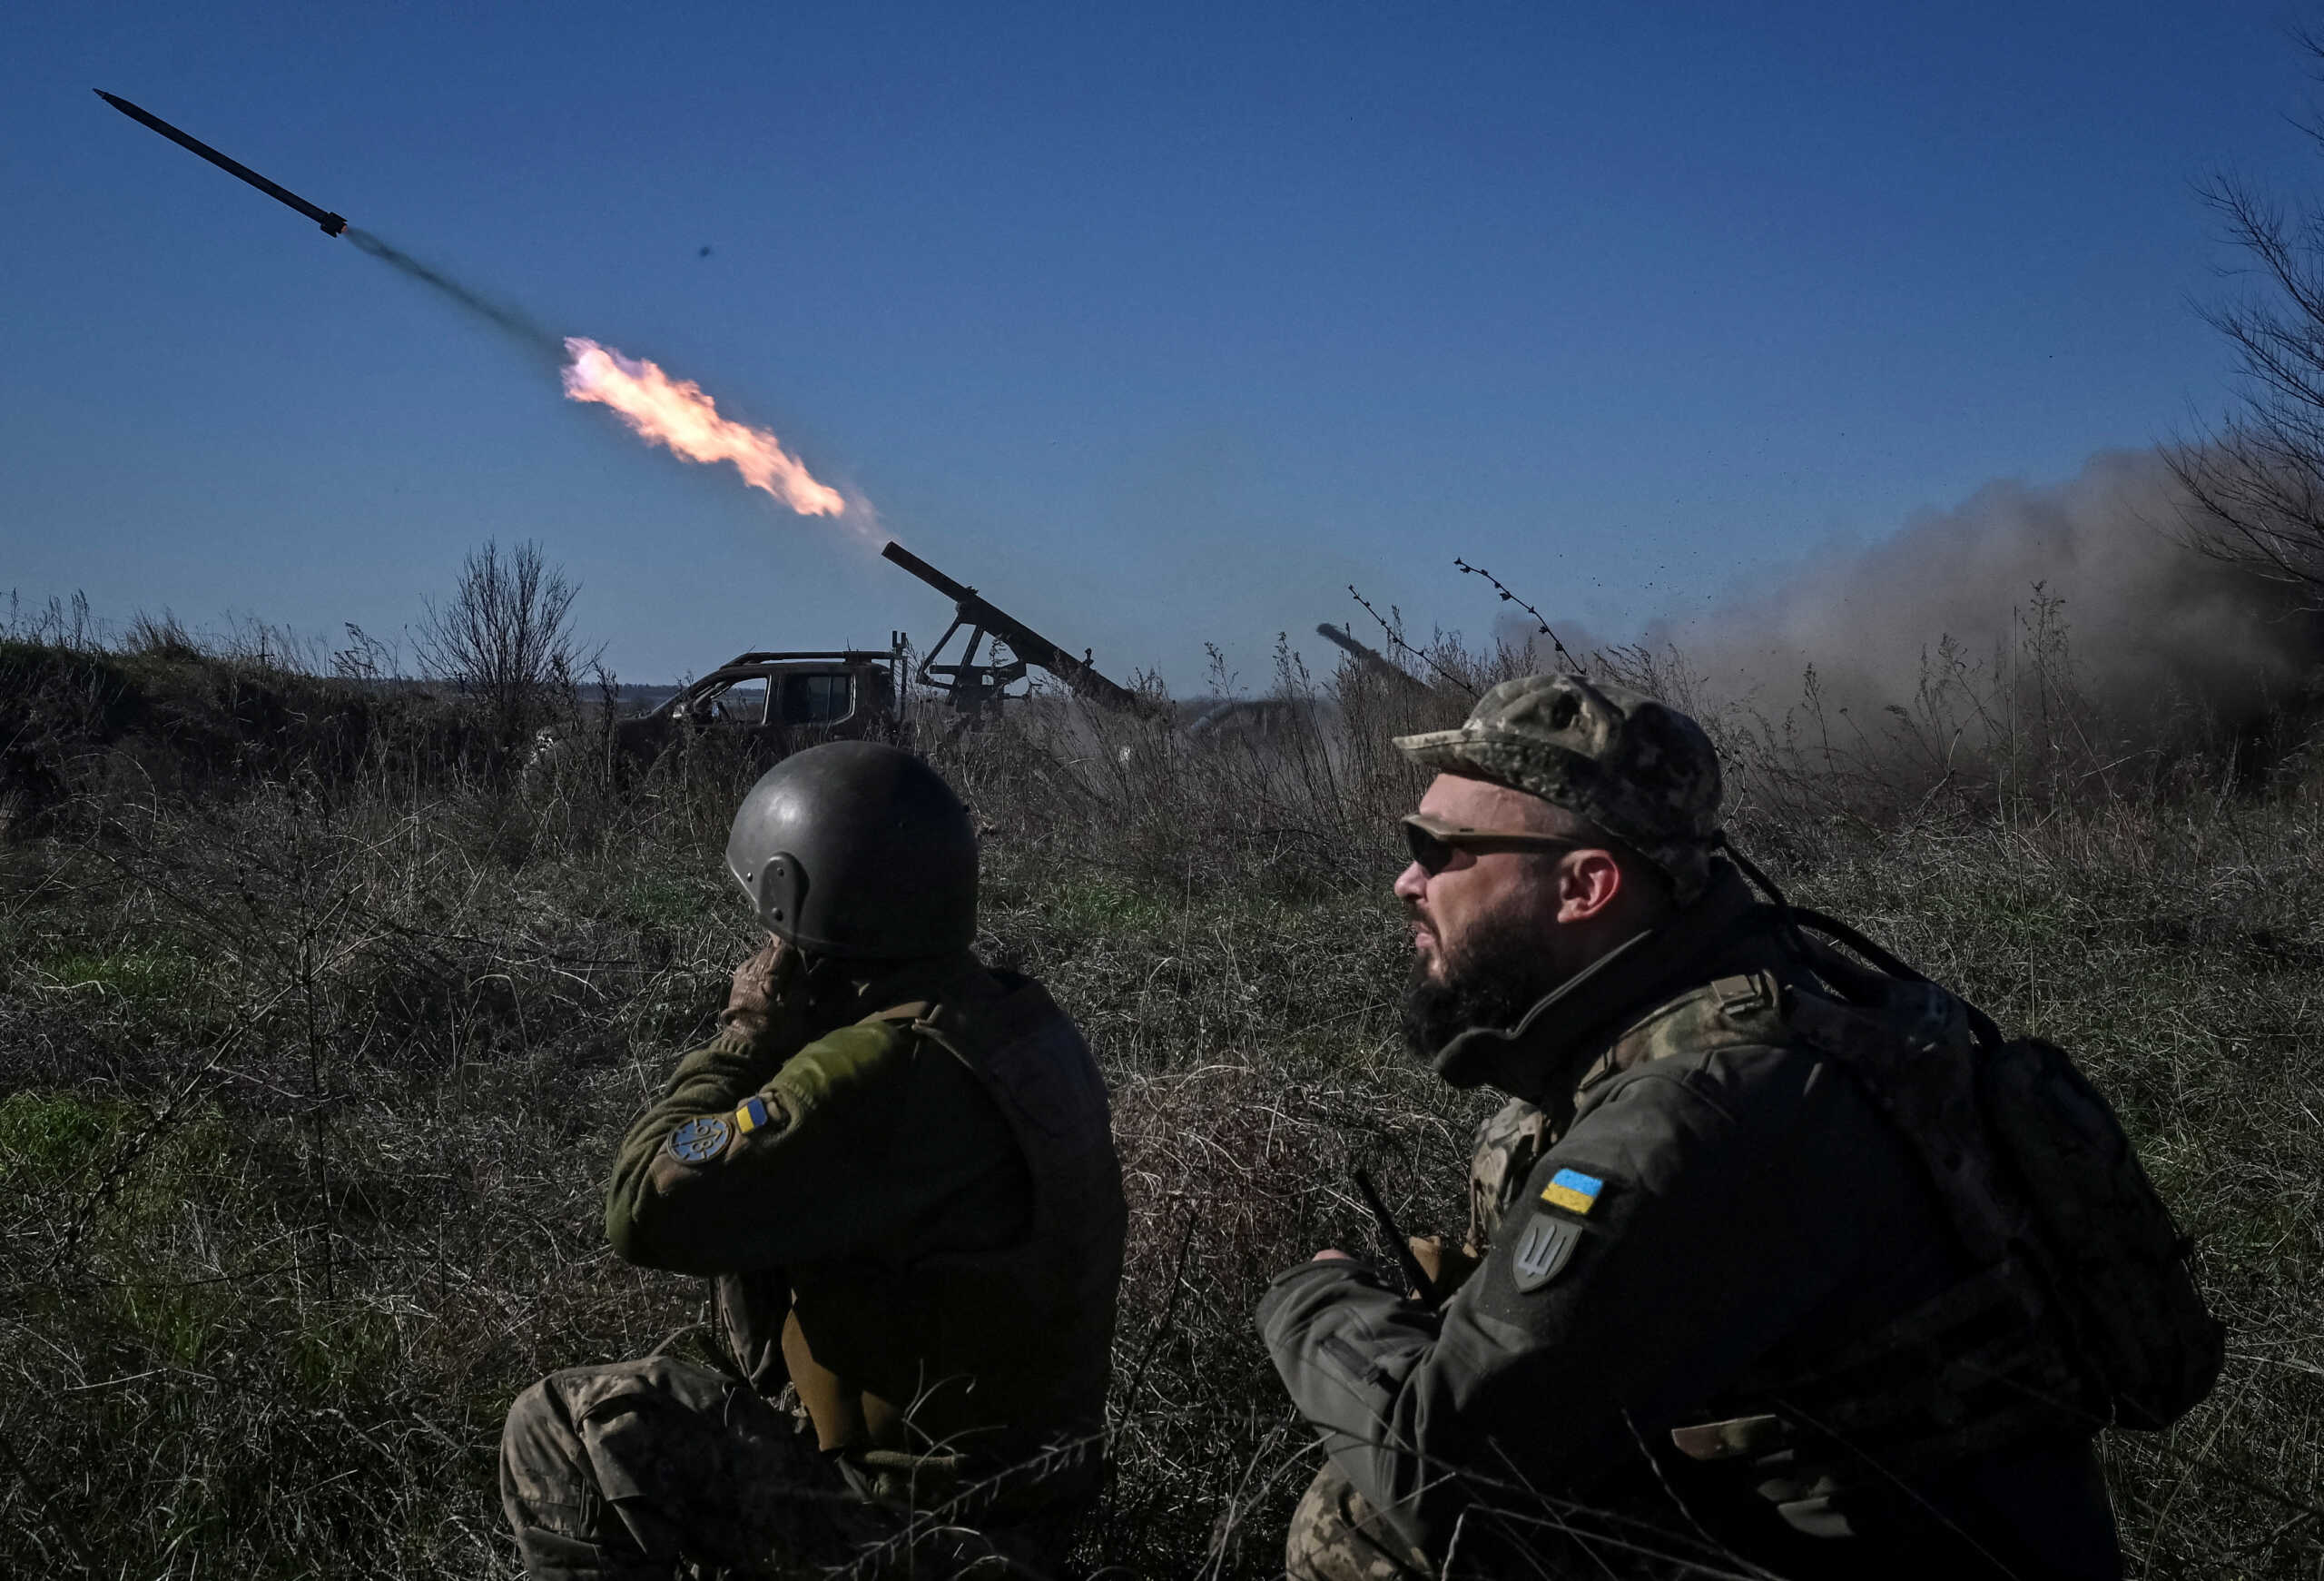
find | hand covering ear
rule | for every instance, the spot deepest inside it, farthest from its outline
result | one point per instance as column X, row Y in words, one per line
column 764, row 990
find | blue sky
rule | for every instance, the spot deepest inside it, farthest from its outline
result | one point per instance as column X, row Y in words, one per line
column 1159, row 323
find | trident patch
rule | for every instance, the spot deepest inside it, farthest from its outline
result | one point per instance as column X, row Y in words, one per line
column 1543, row 1250
column 1548, row 1241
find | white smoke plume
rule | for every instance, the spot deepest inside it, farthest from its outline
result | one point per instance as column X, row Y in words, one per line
column 2151, row 625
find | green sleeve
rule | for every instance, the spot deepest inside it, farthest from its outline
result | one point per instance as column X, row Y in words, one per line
column 720, row 1198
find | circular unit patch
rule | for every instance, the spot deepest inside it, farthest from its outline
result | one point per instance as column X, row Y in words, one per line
column 701, row 1139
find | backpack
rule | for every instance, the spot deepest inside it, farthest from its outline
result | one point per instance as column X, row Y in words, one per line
column 2036, row 1176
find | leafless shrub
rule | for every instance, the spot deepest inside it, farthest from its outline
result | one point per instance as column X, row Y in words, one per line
column 2256, row 483
column 502, row 638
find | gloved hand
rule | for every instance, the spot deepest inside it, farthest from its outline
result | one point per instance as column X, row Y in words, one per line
column 764, row 1004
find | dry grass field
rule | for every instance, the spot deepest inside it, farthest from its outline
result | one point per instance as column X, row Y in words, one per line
column 312, row 1064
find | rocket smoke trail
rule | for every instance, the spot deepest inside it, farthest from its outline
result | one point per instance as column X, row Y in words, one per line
column 662, row 411
column 512, row 321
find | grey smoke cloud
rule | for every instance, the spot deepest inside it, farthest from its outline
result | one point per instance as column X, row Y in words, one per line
column 2153, row 627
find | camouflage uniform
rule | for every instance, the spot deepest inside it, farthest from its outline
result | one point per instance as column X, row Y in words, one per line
column 1684, row 1200
column 619, row 1470
column 915, row 1222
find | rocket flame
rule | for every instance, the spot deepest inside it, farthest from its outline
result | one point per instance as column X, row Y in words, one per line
column 664, row 410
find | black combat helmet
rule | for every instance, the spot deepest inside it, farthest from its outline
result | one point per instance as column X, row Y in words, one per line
column 858, row 850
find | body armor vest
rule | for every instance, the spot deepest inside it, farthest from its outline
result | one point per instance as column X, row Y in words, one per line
column 990, row 1356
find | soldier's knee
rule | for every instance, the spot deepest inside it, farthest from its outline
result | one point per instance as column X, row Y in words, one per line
column 1337, row 1536
column 529, row 1405
column 540, row 1446
column 534, row 1413
column 1317, row 1530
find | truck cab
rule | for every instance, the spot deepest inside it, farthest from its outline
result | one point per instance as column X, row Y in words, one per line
column 775, row 703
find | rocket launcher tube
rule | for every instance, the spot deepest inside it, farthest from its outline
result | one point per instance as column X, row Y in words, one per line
column 974, row 611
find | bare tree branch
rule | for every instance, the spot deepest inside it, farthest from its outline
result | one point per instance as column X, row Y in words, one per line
column 2255, row 484
column 502, row 638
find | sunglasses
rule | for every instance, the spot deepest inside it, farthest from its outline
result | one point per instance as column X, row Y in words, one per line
column 1433, row 841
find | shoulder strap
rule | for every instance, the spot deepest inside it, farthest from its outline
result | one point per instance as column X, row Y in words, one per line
column 1988, row 1032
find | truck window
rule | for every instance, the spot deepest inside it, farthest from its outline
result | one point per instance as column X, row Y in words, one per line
column 744, row 703
column 818, row 699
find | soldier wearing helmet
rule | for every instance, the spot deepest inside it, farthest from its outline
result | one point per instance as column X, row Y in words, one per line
column 1698, row 1255
column 897, row 1166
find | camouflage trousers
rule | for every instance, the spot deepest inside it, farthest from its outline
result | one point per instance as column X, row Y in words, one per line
column 627, row 1470
column 1337, row 1536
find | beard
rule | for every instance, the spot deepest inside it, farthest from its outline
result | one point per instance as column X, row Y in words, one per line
column 1500, row 970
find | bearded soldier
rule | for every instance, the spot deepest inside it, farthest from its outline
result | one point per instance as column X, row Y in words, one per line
column 1696, row 1242
column 897, row 1167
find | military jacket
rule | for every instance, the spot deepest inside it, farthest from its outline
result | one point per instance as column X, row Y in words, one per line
column 1691, row 1195
column 918, row 1218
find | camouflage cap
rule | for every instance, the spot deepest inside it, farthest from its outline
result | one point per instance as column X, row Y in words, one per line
column 1635, row 767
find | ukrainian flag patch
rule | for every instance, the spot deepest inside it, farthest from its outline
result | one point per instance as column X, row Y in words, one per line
column 1573, row 1191
column 751, row 1115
